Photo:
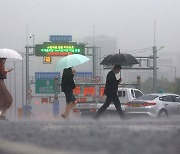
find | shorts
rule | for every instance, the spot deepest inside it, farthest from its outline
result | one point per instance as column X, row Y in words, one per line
column 69, row 96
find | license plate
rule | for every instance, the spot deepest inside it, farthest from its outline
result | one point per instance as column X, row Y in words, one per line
column 136, row 105
column 84, row 106
column 85, row 110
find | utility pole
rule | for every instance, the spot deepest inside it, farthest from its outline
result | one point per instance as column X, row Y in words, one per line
column 154, row 69
column 154, row 61
column 94, row 55
column 94, row 62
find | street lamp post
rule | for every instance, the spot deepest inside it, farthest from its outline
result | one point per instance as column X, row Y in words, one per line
column 27, row 78
column 27, row 65
column 27, row 74
column 33, row 37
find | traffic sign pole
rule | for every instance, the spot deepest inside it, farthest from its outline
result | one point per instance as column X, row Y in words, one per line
column 56, row 101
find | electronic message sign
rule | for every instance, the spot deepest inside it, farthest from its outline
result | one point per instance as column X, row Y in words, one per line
column 59, row 49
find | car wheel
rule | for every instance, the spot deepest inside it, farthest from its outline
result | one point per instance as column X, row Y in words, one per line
column 163, row 114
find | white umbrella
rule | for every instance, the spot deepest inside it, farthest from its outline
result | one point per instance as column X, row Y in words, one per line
column 9, row 53
column 71, row 60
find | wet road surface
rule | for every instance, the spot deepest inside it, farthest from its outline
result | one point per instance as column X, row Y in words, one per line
column 132, row 136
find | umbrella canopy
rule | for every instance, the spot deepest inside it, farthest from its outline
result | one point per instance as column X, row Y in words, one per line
column 9, row 53
column 70, row 61
column 121, row 59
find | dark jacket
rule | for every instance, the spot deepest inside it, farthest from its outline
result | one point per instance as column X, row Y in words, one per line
column 67, row 80
column 111, row 86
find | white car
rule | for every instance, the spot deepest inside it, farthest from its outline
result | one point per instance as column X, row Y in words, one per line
column 125, row 95
column 155, row 105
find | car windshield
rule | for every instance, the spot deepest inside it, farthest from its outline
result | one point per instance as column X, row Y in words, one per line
column 147, row 97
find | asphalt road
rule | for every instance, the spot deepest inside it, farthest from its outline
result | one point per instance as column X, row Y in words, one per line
column 85, row 136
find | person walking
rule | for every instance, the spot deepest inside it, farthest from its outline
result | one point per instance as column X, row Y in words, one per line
column 67, row 86
column 5, row 96
column 111, row 88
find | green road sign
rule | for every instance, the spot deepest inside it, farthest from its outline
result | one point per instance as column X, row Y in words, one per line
column 44, row 82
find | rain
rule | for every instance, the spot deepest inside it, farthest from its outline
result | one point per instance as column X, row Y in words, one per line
column 147, row 30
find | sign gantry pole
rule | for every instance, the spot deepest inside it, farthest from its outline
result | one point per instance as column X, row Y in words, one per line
column 27, row 76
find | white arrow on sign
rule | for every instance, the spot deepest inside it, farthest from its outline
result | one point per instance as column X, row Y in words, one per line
column 47, row 82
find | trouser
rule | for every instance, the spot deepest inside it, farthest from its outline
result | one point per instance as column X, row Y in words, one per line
column 5, row 97
column 108, row 101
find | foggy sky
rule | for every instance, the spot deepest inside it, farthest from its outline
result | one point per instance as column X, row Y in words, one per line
column 130, row 21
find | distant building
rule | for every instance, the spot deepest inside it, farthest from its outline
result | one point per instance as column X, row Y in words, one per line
column 107, row 44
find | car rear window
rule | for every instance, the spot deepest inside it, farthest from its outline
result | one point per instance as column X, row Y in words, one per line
column 147, row 97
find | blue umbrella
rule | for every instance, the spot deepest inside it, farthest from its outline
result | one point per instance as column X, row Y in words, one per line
column 70, row 61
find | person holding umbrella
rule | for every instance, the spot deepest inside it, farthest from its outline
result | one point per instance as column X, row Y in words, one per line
column 111, row 88
column 67, row 86
column 5, row 96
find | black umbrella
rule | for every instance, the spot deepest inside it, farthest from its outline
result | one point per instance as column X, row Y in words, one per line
column 121, row 59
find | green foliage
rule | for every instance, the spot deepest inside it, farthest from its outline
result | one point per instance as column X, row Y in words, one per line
column 166, row 85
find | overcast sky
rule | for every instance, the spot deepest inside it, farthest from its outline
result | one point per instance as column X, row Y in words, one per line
column 130, row 21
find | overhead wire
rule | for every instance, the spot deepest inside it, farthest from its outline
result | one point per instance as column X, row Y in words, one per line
column 139, row 50
column 143, row 50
